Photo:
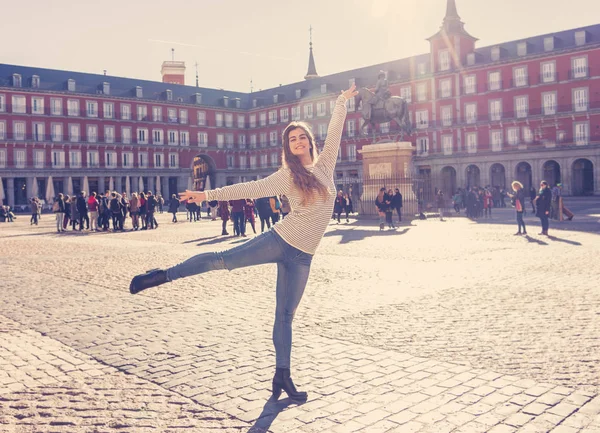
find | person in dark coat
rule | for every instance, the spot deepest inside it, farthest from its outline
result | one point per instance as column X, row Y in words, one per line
column 339, row 205
column 83, row 211
column 225, row 215
column 543, row 204
column 59, row 209
column 174, row 206
column 397, row 203
column 264, row 212
column 152, row 205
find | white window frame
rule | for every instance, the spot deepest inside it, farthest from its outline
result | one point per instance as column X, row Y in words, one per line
column 142, row 135
column 548, row 71
column 512, row 135
column 520, row 76
column 496, row 138
column 93, row 159
column 159, row 160
column 56, row 132
column 321, row 109
column 127, row 159
column 39, row 158
column 273, row 117
column 201, row 117
column 91, row 108
column 172, row 137
column 580, row 38
column 549, row 103
column 262, row 118
column 74, row 158
column 471, row 142
column 296, row 113
column 184, row 138
column 252, row 121
column 220, row 141
column 446, row 112
column 521, row 106
column 242, row 141
column 125, row 111
column 173, row 160
column 579, row 67
column 108, row 110
column 142, row 113
column 241, row 121
column 444, row 60
column 143, row 161
column 56, row 106
column 273, row 135
column 37, row 131
column 527, row 134
column 447, row 144
column 109, row 134
column 406, row 93
column 495, row 109
column 229, row 140
column 470, row 84
column 126, row 135
column 581, row 99
column 3, row 158
column 264, row 160
column 2, row 130
column 446, row 88
column 549, row 43
column 521, row 49
column 581, row 133
column 110, row 159
column 470, row 114
column 308, row 111
column 284, row 115
column 157, row 114
column 19, row 130
column 91, row 133
column 351, row 128
column 74, row 132
column 37, row 105
column 183, row 116
column 202, row 139
column 73, row 107
column 158, row 136
column 494, row 84
column 422, row 119
column 58, row 158
column 19, row 104
column 351, row 152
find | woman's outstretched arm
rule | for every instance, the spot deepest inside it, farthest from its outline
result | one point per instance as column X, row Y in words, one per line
column 276, row 184
column 328, row 157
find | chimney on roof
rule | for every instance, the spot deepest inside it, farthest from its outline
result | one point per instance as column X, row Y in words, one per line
column 173, row 71
column 312, row 70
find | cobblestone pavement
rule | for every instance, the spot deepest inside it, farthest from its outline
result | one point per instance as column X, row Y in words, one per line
column 436, row 327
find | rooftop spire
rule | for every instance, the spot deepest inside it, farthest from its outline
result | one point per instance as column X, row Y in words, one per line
column 312, row 70
column 452, row 23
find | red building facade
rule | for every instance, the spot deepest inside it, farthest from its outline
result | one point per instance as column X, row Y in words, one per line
column 526, row 110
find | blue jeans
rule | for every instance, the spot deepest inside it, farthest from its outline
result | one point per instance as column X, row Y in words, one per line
column 293, row 268
column 520, row 222
column 239, row 223
column 545, row 222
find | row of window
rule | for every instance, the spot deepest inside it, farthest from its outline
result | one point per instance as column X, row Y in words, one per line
column 444, row 56
column 111, row 159
column 549, row 107
column 157, row 114
column 497, row 138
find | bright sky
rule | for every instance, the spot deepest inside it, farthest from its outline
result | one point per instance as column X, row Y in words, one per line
column 266, row 40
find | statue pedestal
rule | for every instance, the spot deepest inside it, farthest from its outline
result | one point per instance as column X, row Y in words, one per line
column 388, row 165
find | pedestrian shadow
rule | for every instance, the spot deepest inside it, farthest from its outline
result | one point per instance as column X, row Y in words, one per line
column 534, row 240
column 215, row 240
column 200, row 240
column 353, row 235
column 270, row 411
column 566, row 241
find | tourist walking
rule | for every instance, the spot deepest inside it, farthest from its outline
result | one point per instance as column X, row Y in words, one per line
column 134, row 211
column 173, row 207
column 389, row 211
column 349, row 207
column 92, row 204
column 82, row 209
column 339, row 205
column 35, row 209
column 308, row 182
column 152, row 204
column 263, row 206
column 237, row 215
column 225, row 215
column 143, row 210
column 488, row 203
column 518, row 199
column 543, row 204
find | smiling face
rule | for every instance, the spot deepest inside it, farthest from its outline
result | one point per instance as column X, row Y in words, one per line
column 299, row 143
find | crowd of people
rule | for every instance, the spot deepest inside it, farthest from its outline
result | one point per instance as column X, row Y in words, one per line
column 99, row 211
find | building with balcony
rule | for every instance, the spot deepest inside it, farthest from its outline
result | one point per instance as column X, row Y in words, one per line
column 526, row 109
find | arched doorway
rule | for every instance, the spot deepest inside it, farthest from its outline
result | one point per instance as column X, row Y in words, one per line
column 498, row 175
column 583, row 177
column 523, row 175
column 448, row 185
column 551, row 172
column 473, row 176
column 203, row 172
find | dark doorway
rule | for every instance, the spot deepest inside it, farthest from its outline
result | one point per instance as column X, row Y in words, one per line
column 583, row 177
column 20, row 191
column 173, row 186
column 551, row 172
column 498, row 175
column 473, row 176
column 523, row 175
column 448, row 185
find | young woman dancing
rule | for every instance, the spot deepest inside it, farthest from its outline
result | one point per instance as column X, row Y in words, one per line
column 307, row 180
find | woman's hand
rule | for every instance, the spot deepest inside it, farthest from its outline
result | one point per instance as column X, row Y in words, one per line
column 192, row 196
column 350, row 93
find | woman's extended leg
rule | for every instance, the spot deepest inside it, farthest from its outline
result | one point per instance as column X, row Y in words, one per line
column 266, row 248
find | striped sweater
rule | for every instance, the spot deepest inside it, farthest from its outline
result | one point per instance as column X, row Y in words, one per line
column 304, row 226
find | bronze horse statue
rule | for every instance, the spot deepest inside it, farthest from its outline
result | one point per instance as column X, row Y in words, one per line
column 393, row 108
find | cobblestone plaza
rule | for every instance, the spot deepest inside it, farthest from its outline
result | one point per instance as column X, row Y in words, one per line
column 449, row 326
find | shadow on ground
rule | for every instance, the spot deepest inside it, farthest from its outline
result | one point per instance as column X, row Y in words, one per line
column 352, row 235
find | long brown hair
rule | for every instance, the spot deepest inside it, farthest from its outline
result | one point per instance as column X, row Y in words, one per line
column 305, row 181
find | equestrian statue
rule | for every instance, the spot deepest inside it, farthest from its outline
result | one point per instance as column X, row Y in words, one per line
column 380, row 107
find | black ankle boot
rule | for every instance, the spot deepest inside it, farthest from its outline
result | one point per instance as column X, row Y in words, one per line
column 283, row 381
column 152, row 278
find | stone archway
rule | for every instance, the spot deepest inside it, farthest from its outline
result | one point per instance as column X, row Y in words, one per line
column 551, row 172
column 498, row 175
column 448, row 181
column 583, row 177
column 523, row 173
column 203, row 172
column 473, row 176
